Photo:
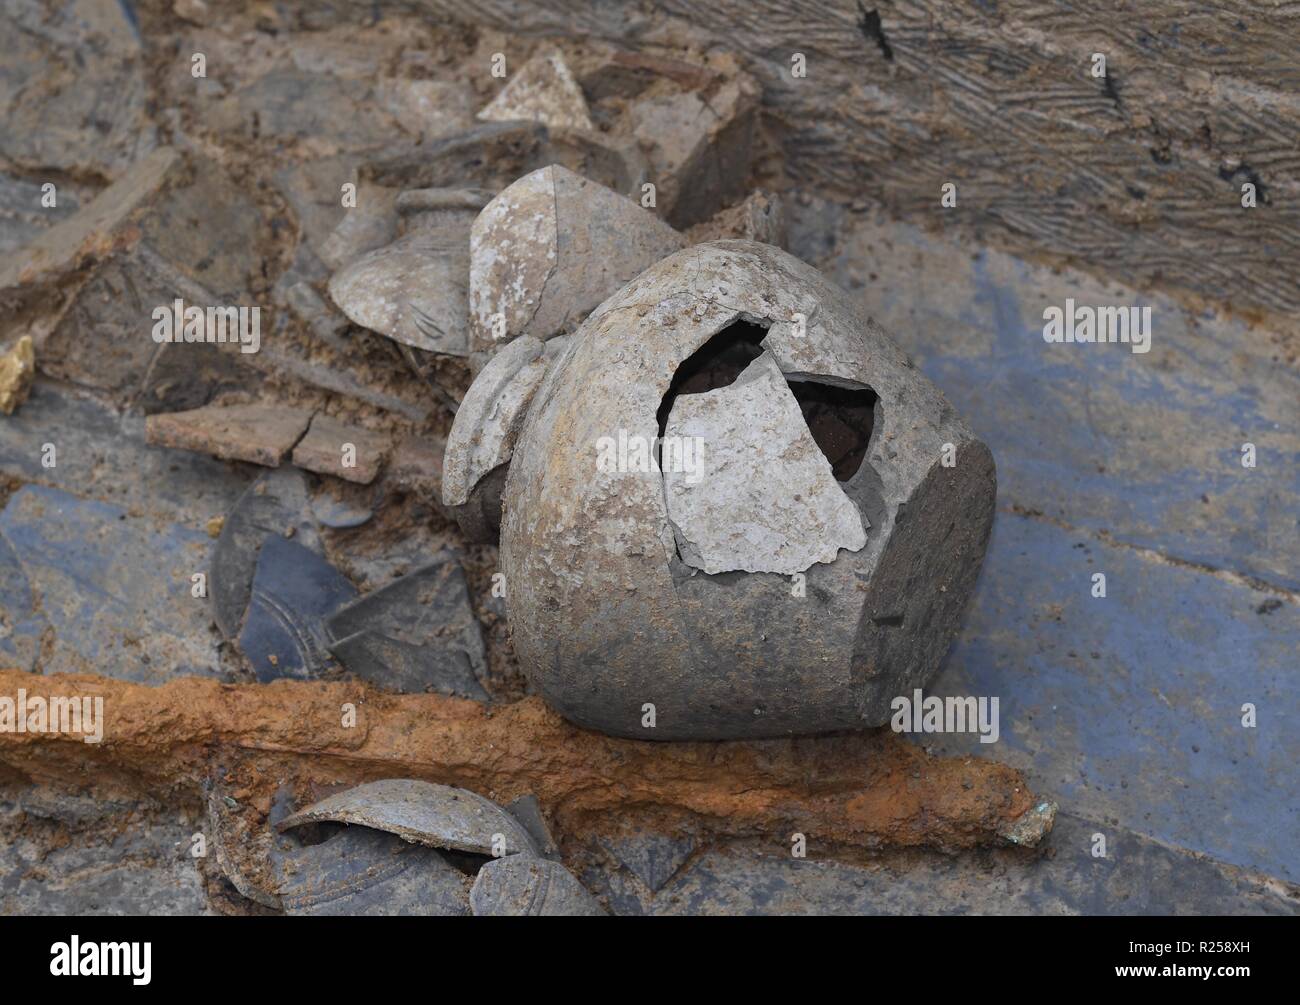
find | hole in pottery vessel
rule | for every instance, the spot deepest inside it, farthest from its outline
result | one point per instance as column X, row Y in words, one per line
column 715, row 364
column 840, row 420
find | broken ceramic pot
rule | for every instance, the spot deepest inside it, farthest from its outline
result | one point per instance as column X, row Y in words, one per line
column 737, row 508
column 388, row 849
column 414, row 290
column 345, row 870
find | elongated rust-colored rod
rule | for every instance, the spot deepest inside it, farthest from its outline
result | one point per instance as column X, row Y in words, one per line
column 865, row 791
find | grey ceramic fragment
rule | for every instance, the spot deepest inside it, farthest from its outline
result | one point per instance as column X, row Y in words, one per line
column 367, row 226
column 528, row 811
column 294, row 591
column 652, row 858
column 517, row 886
column 407, row 669
column 763, row 497
column 276, row 505
column 368, row 873
column 483, row 434
column 425, row 813
column 417, row 633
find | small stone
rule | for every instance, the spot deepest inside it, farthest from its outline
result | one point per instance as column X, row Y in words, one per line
column 760, row 217
column 260, row 434
column 339, row 514
column 214, row 525
column 542, row 91
column 17, row 371
column 334, row 448
column 700, row 146
column 193, row 11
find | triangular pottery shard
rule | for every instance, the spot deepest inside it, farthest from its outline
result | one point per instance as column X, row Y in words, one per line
column 542, row 91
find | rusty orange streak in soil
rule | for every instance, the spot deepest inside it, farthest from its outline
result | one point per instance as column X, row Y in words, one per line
column 863, row 791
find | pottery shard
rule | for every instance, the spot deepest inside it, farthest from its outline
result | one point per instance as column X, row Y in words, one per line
column 487, row 423
column 761, row 496
column 542, row 91
column 439, row 816
column 530, row 887
column 336, row 448
column 261, row 434
column 359, row 872
column 550, row 248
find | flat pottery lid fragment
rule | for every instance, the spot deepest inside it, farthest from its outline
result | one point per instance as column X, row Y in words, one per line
column 425, row 813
